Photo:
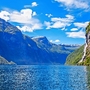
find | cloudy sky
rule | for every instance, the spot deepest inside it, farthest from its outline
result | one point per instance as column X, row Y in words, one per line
column 61, row 21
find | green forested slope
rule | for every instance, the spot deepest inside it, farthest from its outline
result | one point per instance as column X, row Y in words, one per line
column 75, row 57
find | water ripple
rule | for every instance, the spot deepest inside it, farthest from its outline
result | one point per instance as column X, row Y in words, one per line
column 42, row 77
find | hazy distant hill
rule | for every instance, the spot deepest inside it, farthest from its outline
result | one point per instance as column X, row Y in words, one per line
column 21, row 49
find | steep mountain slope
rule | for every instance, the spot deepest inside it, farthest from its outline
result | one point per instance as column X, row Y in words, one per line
column 86, row 60
column 75, row 56
column 21, row 49
column 42, row 42
column 14, row 46
column 4, row 61
column 59, row 51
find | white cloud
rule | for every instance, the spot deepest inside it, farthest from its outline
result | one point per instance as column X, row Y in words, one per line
column 48, row 15
column 78, row 31
column 64, row 29
column 67, row 19
column 81, row 25
column 25, row 28
column 34, row 4
column 74, row 29
column 82, row 4
column 4, row 15
column 59, row 22
column 79, row 34
column 34, row 14
column 47, row 24
column 55, row 41
column 23, row 17
column 51, row 41
column 30, row 28
column 70, row 17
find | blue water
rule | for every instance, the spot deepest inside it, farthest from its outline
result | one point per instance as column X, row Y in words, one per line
column 43, row 77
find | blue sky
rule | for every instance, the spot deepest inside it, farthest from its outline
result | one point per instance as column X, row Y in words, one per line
column 61, row 21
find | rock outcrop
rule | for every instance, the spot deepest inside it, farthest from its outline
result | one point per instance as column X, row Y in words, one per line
column 3, row 61
column 87, row 56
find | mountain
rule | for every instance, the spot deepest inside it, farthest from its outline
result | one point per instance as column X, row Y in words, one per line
column 82, row 55
column 4, row 61
column 75, row 56
column 43, row 43
column 59, row 52
column 86, row 60
column 21, row 49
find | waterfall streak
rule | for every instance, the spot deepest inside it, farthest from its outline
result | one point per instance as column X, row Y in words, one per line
column 84, row 53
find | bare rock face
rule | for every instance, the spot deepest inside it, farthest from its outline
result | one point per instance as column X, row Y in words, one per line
column 86, row 60
column 3, row 61
column 88, row 37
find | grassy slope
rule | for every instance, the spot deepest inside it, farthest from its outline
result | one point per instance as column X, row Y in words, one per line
column 74, row 57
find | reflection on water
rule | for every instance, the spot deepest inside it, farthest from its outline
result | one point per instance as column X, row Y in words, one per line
column 43, row 77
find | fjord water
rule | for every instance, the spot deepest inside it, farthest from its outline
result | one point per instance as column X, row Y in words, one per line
column 43, row 77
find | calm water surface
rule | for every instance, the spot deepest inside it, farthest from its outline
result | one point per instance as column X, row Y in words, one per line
column 43, row 77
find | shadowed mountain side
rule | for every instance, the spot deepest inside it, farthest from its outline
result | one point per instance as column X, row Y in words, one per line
column 21, row 49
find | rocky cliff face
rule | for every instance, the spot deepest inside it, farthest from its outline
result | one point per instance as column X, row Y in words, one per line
column 87, row 57
column 86, row 52
column 21, row 49
column 4, row 61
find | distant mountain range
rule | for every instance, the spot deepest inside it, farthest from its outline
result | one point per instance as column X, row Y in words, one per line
column 22, row 49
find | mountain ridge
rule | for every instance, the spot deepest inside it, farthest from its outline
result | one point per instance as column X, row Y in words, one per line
column 21, row 49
